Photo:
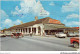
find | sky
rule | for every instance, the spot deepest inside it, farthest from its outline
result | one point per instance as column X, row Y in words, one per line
column 13, row 12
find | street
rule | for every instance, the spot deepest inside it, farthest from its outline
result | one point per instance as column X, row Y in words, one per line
column 36, row 43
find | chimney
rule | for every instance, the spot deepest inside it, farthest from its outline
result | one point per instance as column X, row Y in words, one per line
column 36, row 18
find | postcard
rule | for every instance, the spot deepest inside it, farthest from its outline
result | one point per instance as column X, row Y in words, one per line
column 39, row 25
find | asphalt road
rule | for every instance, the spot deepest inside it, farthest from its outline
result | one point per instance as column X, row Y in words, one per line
column 36, row 43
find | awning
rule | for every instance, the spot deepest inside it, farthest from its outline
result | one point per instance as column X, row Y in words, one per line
column 52, row 27
column 68, row 28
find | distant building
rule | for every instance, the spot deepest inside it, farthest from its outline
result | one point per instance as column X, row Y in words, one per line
column 45, row 26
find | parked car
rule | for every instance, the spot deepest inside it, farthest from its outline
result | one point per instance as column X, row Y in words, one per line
column 8, row 33
column 60, row 34
column 2, row 35
column 76, row 34
column 75, row 42
column 72, row 34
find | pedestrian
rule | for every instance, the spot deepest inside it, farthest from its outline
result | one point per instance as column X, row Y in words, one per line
column 31, row 34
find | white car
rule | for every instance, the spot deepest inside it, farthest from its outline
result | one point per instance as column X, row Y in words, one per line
column 72, row 34
column 2, row 35
column 77, row 34
column 60, row 34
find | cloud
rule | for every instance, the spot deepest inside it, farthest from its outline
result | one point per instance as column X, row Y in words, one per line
column 3, row 15
column 30, row 6
column 71, row 23
column 52, row 4
column 9, row 22
column 72, row 16
column 5, row 21
column 73, row 5
column 17, row 22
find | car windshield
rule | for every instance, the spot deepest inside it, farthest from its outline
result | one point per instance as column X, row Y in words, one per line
column 76, row 33
column 70, row 33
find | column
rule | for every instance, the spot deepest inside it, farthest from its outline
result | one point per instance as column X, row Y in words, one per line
column 27, row 30
column 36, row 30
column 22, row 31
column 11, row 31
column 31, row 29
column 17, row 30
column 14, row 30
column 41, row 31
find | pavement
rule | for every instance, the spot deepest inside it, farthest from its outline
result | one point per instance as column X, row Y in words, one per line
column 36, row 43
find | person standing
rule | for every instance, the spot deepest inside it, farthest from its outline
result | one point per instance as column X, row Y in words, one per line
column 31, row 34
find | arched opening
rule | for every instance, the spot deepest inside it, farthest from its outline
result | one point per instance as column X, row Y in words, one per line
column 39, row 30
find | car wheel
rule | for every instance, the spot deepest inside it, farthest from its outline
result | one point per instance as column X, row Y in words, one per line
column 76, row 45
column 64, row 37
column 55, row 35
